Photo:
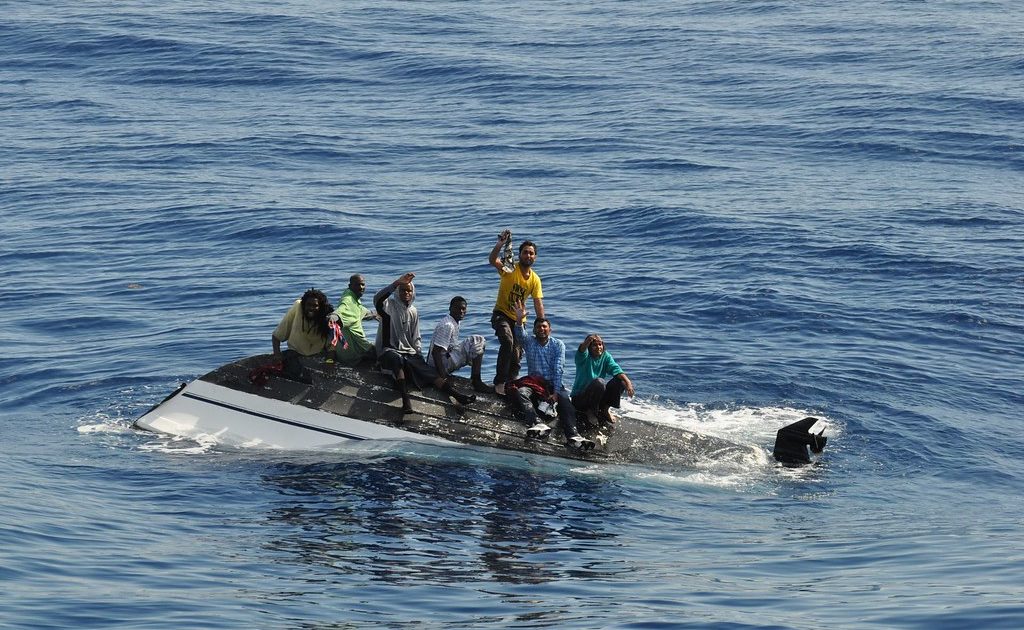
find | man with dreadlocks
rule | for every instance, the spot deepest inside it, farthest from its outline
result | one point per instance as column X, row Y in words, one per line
column 305, row 326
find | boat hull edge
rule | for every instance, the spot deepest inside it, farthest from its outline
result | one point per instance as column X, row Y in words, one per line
column 234, row 418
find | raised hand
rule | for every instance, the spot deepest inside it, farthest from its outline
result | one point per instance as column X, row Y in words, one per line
column 520, row 309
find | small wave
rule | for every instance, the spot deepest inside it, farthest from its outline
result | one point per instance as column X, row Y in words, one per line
column 535, row 173
column 668, row 164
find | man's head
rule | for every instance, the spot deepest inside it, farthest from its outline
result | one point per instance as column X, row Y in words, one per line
column 527, row 254
column 357, row 284
column 596, row 346
column 457, row 308
column 542, row 329
column 314, row 305
column 406, row 292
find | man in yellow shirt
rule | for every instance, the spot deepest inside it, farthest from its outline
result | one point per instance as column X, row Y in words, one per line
column 516, row 285
column 304, row 327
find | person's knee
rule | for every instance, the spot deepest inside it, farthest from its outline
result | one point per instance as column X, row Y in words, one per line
column 595, row 390
column 505, row 338
column 476, row 346
column 502, row 329
column 391, row 360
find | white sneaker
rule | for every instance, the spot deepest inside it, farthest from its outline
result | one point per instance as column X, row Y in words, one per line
column 579, row 443
column 538, row 431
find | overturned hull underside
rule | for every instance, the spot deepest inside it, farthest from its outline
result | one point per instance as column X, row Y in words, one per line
column 341, row 404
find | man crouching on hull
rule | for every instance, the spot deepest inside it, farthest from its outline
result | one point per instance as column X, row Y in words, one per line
column 543, row 387
column 449, row 354
column 600, row 382
column 351, row 313
column 399, row 343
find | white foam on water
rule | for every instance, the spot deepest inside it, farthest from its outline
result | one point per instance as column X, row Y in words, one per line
column 755, row 427
column 746, row 425
column 176, row 445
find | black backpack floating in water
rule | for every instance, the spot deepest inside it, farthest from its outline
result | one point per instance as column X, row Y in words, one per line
column 794, row 443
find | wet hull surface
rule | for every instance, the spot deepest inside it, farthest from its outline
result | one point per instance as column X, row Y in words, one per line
column 335, row 404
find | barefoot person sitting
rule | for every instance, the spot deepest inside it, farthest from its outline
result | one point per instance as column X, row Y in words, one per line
column 599, row 381
column 449, row 354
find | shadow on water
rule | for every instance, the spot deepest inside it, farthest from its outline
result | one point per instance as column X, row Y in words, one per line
column 401, row 520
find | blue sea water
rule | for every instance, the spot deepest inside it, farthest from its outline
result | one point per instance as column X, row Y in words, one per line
column 768, row 208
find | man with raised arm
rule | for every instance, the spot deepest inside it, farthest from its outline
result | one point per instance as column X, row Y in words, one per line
column 600, row 381
column 543, row 387
column 517, row 284
column 399, row 343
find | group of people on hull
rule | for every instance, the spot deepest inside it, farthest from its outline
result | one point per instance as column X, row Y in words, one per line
column 312, row 326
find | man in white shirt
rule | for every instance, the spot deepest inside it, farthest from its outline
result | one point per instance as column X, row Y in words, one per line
column 398, row 343
column 449, row 354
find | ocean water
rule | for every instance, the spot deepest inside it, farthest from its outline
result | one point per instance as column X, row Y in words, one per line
column 767, row 208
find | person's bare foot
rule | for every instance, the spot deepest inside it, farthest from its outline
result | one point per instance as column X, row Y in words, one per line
column 605, row 416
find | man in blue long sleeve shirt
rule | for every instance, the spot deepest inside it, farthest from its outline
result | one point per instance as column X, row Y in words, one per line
column 545, row 358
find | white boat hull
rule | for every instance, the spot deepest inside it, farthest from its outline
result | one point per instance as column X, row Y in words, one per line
column 241, row 404
column 202, row 410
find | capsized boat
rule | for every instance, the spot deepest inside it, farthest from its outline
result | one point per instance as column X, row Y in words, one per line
column 248, row 404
